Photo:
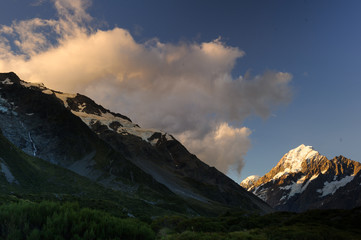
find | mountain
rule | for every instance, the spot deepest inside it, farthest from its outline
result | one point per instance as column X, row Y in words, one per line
column 27, row 177
column 35, row 120
column 75, row 133
column 249, row 181
column 159, row 154
column 304, row 179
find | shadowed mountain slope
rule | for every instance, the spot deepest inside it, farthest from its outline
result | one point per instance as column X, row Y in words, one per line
column 74, row 132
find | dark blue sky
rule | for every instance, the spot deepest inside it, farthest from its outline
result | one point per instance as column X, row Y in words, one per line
column 318, row 42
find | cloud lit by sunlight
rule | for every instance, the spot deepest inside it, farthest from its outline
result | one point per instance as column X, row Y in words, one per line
column 186, row 89
column 222, row 147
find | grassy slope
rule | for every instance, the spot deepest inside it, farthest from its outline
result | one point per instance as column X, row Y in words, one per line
column 38, row 180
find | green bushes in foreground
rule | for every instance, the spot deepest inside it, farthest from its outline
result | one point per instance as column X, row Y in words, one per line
column 49, row 220
column 55, row 220
column 310, row 225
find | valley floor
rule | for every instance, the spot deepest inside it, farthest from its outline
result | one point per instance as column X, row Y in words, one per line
column 24, row 219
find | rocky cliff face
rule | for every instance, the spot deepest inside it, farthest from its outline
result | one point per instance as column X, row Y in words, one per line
column 74, row 132
column 304, row 179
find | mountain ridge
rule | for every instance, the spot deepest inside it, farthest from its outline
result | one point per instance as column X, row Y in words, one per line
column 304, row 179
column 159, row 154
column 74, row 132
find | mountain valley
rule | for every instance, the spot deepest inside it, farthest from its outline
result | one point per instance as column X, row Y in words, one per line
column 70, row 159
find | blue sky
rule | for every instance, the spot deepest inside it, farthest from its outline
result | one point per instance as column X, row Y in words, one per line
column 317, row 42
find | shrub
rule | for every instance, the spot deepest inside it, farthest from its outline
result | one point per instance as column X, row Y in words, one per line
column 49, row 220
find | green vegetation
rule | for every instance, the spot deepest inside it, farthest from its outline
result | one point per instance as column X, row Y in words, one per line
column 23, row 219
column 311, row 225
column 49, row 220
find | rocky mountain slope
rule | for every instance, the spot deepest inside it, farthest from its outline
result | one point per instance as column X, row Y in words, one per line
column 304, row 179
column 159, row 154
column 35, row 120
column 72, row 131
column 27, row 177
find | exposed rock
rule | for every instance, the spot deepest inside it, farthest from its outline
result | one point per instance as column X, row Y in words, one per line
column 303, row 179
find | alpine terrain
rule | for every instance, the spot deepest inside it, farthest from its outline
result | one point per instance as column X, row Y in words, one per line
column 304, row 179
column 82, row 141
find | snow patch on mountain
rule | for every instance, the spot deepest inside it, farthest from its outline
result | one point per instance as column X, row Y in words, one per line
column 82, row 107
column 168, row 137
column 280, row 174
column 144, row 134
column 41, row 86
column 7, row 81
column 107, row 118
column 104, row 118
column 261, row 193
column 297, row 187
column 249, row 181
column 331, row 187
column 324, row 171
column 47, row 91
column 314, row 177
column 64, row 96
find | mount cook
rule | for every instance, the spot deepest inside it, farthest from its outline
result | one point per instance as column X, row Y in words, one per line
column 304, row 179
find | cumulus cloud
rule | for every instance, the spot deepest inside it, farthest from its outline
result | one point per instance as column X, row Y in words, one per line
column 222, row 147
column 186, row 89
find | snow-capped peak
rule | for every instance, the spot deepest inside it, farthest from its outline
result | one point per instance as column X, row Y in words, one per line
column 302, row 152
column 249, row 181
column 294, row 158
column 292, row 161
column 251, row 178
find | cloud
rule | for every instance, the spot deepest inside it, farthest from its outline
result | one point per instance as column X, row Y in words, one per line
column 223, row 147
column 186, row 89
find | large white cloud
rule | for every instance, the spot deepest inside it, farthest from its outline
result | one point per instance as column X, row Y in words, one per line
column 186, row 89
